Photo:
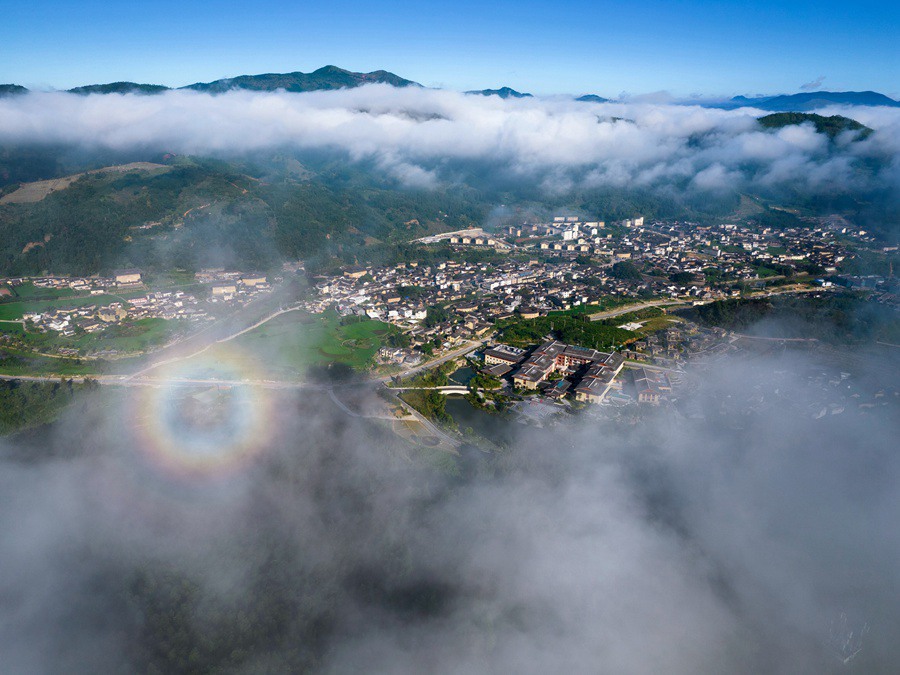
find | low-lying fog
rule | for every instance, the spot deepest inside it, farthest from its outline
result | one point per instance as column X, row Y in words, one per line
column 738, row 533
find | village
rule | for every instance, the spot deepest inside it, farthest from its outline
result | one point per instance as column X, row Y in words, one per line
column 631, row 273
column 81, row 306
column 571, row 309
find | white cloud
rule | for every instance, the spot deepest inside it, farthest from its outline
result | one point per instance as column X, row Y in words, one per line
column 413, row 132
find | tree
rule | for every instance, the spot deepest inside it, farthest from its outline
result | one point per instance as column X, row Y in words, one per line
column 434, row 315
column 626, row 270
column 681, row 278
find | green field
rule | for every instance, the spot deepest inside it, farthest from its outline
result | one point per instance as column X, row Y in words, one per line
column 28, row 291
column 22, row 364
column 134, row 336
column 289, row 344
column 604, row 305
column 652, row 319
column 11, row 327
column 764, row 272
column 16, row 310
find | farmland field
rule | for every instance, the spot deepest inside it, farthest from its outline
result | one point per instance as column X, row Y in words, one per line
column 15, row 310
column 289, row 344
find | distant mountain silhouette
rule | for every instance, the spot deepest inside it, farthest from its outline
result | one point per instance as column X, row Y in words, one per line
column 327, row 78
column 811, row 100
column 12, row 90
column 120, row 88
column 503, row 92
column 592, row 98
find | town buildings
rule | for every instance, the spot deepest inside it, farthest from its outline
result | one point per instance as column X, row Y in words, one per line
column 594, row 371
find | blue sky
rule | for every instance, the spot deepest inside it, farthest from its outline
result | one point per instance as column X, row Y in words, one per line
column 685, row 47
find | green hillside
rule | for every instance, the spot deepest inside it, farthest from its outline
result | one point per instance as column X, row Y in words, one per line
column 12, row 90
column 830, row 126
column 120, row 88
column 327, row 78
column 205, row 212
column 502, row 92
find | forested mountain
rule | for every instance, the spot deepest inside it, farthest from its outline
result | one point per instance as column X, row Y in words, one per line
column 503, row 92
column 204, row 212
column 327, row 78
column 12, row 90
column 592, row 98
column 811, row 100
column 830, row 126
column 195, row 212
column 120, row 88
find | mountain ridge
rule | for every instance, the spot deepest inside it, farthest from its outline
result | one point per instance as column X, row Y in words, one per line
column 330, row 78
column 806, row 101
column 119, row 88
column 592, row 98
column 326, row 78
column 502, row 92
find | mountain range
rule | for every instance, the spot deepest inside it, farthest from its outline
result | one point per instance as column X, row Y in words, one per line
column 811, row 100
column 332, row 77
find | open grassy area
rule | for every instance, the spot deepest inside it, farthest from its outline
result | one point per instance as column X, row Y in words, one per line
column 764, row 272
column 11, row 327
column 603, row 305
column 134, row 336
column 12, row 363
column 289, row 344
column 16, row 310
column 652, row 319
column 131, row 336
column 28, row 291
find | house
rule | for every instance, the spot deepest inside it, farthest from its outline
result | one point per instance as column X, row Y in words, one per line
column 599, row 378
column 254, row 280
column 538, row 365
column 225, row 289
column 650, row 386
column 127, row 277
column 503, row 354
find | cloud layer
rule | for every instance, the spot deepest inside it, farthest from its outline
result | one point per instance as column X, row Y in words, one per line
column 423, row 136
column 744, row 537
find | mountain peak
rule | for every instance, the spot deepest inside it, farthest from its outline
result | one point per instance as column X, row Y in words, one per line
column 592, row 98
column 324, row 79
column 12, row 90
column 119, row 88
column 502, row 92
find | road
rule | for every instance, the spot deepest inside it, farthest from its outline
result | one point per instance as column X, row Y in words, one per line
column 231, row 336
column 467, row 348
column 599, row 316
column 773, row 339
column 428, row 424
column 150, row 381
column 142, row 379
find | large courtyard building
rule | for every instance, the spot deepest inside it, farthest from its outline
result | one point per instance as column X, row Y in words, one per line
column 557, row 357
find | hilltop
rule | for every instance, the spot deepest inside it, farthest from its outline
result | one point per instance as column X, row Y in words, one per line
column 119, row 88
column 592, row 98
column 12, row 90
column 503, row 92
column 830, row 126
column 323, row 79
